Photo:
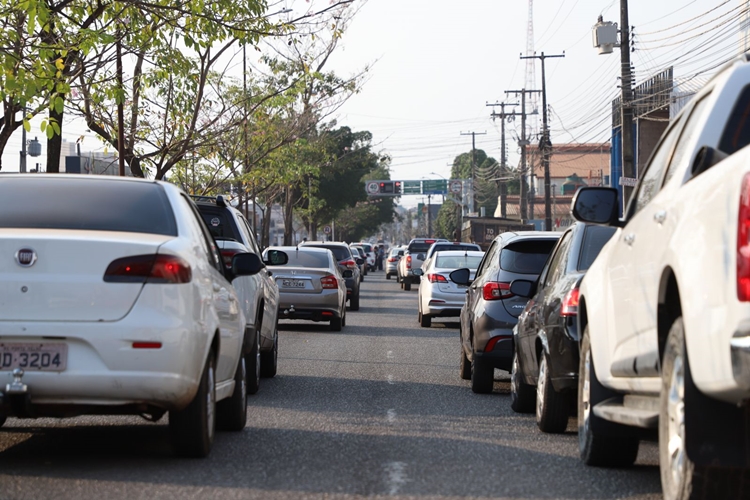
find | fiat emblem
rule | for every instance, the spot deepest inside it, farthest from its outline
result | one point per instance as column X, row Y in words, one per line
column 26, row 257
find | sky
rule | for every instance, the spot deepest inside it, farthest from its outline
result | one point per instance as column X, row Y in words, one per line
column 437, row 63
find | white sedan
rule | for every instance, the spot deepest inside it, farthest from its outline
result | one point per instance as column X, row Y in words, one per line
column 114, row 300
column 438, row 295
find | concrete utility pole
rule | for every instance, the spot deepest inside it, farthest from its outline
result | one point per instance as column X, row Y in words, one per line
column 545, row 144
column 523, row 143
column 472, row 198
column 626, row 104
column 503, row 187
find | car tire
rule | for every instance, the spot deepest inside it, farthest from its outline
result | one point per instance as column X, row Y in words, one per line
column 231, row 413
column 521, row 394
column 3, row 418
column 464, row 366
column 425, row 320
column 337, row 323
column 387, row 276
column 269, row 360
column 343, row 315
column 354, row 302
column 192, row 429
column 253, row 364
column 482, row 376
column 551, row 407
column 600, row 443
column 407, row 285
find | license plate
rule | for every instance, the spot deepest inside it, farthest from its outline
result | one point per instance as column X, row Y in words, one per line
column 36, row 357
column 293, row 283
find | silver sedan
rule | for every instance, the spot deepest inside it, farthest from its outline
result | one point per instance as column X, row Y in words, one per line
column 438, row 295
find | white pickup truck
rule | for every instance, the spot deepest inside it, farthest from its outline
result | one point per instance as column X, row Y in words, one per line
column 665, row 308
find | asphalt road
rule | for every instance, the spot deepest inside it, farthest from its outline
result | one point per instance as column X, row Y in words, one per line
column 377, row 410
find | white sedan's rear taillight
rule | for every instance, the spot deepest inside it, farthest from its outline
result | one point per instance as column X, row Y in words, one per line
column 148, row 269
column 743, row 242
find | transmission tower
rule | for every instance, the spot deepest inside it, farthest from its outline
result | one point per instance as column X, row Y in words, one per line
column 530, row 83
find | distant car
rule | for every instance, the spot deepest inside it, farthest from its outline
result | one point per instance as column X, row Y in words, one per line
column 545, row 362
column 258, row 293
column 491, row 310
column 413, row 259
column 370, row 253
column 116, row 302
column 442, row 246
column 311, row 286
column 346, row 261
column 363, row 264
column 438, row 295
column 391, row 262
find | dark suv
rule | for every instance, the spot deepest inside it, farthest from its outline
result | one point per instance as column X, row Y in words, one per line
column 491, row 310
column 347, row 262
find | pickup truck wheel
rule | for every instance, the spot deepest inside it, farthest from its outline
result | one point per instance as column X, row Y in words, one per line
column 253, row 365
column 192, row 429
column 596, row 446
column 232, row 412
column 482, row 376
column 269, row 361
column 464, row 366
column 521, row 393
column 551, row 406
column 407, row 285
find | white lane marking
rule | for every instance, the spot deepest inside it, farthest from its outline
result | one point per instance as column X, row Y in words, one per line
column 390, row 415
column 390, row 379
column 389, row 354
column 395, row 476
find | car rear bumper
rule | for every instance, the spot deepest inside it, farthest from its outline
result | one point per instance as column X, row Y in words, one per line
column 501, row 355
column 740, row 351
column 442, row 305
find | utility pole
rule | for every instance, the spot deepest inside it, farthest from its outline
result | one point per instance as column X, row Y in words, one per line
column 545, row 143
column 472, row 198
column 626, row 104
column 503, row 187
column 429, row 216
column 523, row 143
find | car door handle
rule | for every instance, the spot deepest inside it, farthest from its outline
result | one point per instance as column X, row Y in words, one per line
column 629, row 239
column 660, row 216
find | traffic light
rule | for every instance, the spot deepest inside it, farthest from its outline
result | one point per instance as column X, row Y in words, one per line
column 386, row 187
column 397, row 187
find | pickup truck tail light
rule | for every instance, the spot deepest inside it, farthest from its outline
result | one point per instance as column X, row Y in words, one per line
column 436, row 278
column 570, row 303
column 329, row 281
column 743, row 242
column 495, row 290
column 148, row 269
column 408, row 262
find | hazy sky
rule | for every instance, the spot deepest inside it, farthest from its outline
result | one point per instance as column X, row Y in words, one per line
column 438, row 62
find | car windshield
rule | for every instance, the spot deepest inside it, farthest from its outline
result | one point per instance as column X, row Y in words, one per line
column 447, row 248
column 594, row 239
column 217, row 221
column 526, row 257
column 302, row 258
column 396, row 252
column 85, row 204
column 340, row 252
column 458, row 261
column 367, row 247
column 419, row 247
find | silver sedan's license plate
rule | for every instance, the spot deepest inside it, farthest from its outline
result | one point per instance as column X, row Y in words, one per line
column 293, row 283
column 34, row 356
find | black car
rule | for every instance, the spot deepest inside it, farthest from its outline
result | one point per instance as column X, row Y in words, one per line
column 491, row 311
column 347, row 262
column 544, row 375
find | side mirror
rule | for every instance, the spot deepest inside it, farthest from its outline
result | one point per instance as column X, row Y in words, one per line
column 523, row 288
column 417, row 272
column 461, row 276
column 276, row 258
column 596, row 205
column 348, row 273
column 420, row 256
column 246, row 264
column 706, row 158
column 360, row 261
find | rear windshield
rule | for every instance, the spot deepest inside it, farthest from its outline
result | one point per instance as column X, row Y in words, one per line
column 301, row 258
column 458, row 261
column 218, row 221
column 360, row 251
column 367, row 247
column 396, row 252
column 340, row 252
column 419, row 247
column 445, row 248
column 594, row 238
column 85, row 204
column 526, row 257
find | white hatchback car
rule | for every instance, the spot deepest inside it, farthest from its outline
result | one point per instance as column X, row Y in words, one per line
column 115, row 301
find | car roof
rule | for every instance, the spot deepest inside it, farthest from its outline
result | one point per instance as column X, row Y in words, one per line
column 459, row 253
column 300, row 247
column 331, row 243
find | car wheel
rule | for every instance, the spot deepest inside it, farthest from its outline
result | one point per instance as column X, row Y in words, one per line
column 192, row 429
column 387, row 276
column 354, row 302
column 269, row 361
column 482, row 375
column 425, row 320
column 336, row 324
column 3, row 418
column 232, row 412
column 521, row 393
column 343, row 315
column 600, row 443
column 253, row 364
column 407, row 285
column 551, row 406
column 464, row 366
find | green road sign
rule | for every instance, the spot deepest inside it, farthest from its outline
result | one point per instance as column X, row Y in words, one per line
column 434, row 186
column 412, row 187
